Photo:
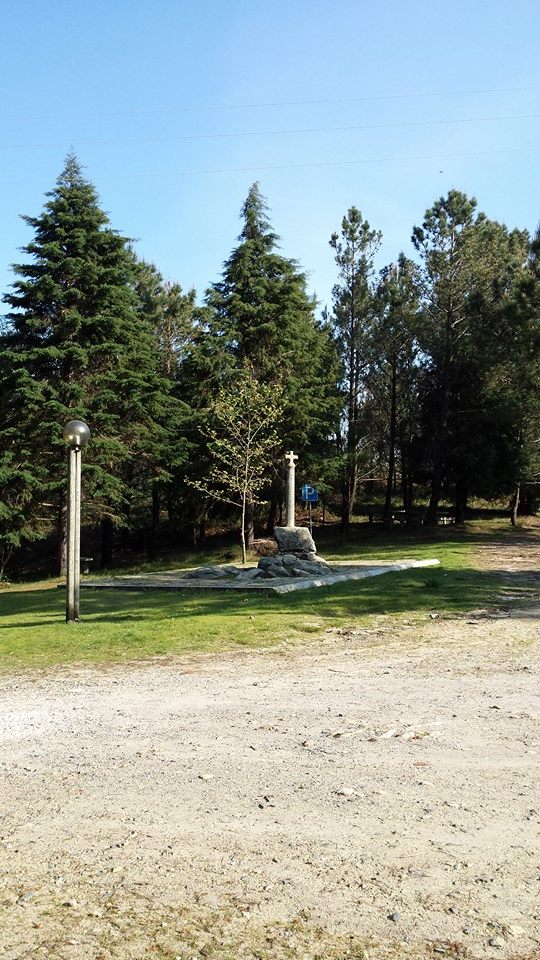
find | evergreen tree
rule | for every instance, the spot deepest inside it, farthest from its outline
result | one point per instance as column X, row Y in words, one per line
column 392, row 379
column 353, row 316
column 171, row 315
column 76, row 347
column 467, row 264
column 260, row 313
column 512, row 387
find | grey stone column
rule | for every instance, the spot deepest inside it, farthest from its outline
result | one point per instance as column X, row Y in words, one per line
column 291, row 459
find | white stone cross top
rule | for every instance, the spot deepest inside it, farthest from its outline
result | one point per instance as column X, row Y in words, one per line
column 291, row 459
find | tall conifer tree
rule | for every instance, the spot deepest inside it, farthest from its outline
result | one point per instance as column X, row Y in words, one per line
column 75, row 346
column 353, row 317
column 260, row 313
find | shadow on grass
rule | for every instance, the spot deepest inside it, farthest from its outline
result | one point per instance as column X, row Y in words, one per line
column 376, row 540
column 118, row 625
column 411, row 591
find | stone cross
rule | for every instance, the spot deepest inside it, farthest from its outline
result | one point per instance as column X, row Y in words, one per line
column 291, row 459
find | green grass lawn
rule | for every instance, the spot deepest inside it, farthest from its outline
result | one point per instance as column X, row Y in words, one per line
column 118, row 626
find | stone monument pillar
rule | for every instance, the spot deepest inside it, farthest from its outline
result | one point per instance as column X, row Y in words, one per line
column 294, row 541
column 291, row 459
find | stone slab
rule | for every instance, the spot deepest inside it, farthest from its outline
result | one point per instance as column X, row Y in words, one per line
column 176, row 579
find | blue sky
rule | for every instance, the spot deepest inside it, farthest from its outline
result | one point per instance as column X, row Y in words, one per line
column 175, row 107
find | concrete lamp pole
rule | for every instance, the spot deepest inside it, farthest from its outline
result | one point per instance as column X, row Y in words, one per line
column 76, row 435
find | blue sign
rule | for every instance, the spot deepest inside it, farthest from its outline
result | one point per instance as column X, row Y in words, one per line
column 309, row 494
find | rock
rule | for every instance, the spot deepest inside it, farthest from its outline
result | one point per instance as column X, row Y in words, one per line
column 272, row 567
column 250, row 574
column 296, row 540
column 25, row 897
column 496, row 942
column 308, row 566
column 394, row 917
column 345, row 792
column 207, row 573
column 289, row 565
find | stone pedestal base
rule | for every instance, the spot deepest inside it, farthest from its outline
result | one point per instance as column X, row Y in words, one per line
column 296, row 541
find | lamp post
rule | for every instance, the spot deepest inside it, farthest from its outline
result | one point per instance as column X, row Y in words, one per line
column 76, row 435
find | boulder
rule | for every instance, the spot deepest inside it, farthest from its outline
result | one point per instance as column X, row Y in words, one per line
column 295, row 540
column 250, row 573
column 288, row 565
column 207, row 573
column 272, row 567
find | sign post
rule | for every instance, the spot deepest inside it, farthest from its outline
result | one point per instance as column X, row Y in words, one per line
column 310, row 495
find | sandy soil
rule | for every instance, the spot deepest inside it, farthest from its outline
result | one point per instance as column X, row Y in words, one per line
column 376, row 787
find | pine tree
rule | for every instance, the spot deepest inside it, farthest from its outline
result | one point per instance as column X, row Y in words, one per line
column 392, row 380
column 467, row 263
column 353, row 316
column 512, row 387
column 170, row 313
column 260, row 313
column 76, row 347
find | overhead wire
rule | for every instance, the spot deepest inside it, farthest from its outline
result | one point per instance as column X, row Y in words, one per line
column 297, row 166
column 372, row 98
column 266, row 133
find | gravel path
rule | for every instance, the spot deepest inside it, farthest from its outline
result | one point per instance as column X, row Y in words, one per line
column 376, row 787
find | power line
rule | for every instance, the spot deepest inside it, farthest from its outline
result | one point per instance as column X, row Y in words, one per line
column 272, row 133
column 257, row 168
column 276, row 103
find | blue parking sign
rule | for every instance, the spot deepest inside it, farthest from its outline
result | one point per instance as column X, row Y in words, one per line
column 309, row 494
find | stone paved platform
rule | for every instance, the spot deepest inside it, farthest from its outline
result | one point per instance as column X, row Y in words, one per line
column 176, row 579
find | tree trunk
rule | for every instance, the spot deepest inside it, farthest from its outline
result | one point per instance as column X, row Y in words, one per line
column 107, row 537
column 439, row 459
column 151, row 537
column 515, row 506
column 5, row 556
column 243, row 530
column 273, row 510
column 348, row 496
column 250, row 524
column 199, row 532
column 462, row 495
column 62, row 536
column 156, row 505
column 392, row 451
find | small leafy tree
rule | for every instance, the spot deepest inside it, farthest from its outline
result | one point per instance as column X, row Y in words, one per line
column 242, row 439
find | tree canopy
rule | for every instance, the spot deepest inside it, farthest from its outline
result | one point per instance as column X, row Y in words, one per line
column 421, row 384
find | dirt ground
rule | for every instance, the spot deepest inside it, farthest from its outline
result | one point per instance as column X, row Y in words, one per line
column 376, row 787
